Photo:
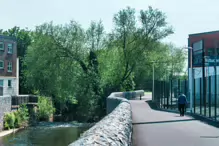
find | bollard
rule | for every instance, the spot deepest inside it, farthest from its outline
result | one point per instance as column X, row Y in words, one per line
column 140, row 97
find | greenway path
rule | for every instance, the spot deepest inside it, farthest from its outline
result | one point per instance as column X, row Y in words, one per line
column 158, row 128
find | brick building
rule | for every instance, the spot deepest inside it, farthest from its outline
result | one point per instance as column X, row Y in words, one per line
column 9, row 69
column 205, row 46
column 203, row 77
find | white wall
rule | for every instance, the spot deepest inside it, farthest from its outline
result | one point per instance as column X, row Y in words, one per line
column 209, row 71
column 9, row 90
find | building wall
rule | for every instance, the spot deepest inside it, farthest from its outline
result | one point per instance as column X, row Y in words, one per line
column 4, row 74
column 6, row 57
column 5, row 106
column 210, row 42
column 209, row 38
column 9, row 90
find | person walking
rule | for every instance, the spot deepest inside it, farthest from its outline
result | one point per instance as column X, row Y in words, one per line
column 182, row 102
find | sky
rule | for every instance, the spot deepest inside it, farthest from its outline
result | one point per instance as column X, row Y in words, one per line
column 186, row 16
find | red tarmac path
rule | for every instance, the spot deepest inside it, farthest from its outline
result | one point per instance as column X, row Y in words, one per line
column 157, row 128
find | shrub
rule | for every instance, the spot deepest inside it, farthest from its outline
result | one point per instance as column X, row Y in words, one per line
column 16, row 119
column 45, row 108
column 21, row 116
column 9, row 120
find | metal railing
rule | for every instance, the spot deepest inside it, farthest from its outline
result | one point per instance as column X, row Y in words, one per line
column 204, row 103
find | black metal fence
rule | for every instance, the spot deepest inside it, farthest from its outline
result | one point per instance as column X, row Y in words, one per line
column 30, row 100
column 24, row 99
column 205, row 96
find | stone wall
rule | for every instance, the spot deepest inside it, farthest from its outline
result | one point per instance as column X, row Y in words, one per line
column 116, row 127
column 5, row 106
column 115, row 98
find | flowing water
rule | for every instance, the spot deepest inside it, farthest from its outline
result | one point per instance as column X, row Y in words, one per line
column 45, row 134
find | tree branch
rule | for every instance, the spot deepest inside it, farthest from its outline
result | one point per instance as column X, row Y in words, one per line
column 69, row 54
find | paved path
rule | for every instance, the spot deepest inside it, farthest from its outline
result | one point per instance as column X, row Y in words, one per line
column 157, row 128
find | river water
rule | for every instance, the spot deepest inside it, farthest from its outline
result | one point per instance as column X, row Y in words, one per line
column 45, row 134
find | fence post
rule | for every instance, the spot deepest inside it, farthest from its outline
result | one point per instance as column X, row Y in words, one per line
column 171, row 93
column 194, row 99
column 209, row 97
column 178, row 87
column 168, row 94
column 205, row 95
column 201, row 95
column 163, row 99
column 165, row 105
column 161, row 94
column 215, row 97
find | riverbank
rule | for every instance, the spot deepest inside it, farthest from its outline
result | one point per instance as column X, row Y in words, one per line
column 7, row 132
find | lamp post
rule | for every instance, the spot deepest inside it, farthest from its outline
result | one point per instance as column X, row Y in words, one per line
column 190, row 80
column 153, row 62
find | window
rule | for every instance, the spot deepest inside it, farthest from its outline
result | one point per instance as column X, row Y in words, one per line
column 1, row 64
column 10, row 48
column 1, row 83
column 9, row 66
column 1, row 46
column 9, row 83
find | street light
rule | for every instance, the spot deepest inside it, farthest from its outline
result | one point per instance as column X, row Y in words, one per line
column 190, row 79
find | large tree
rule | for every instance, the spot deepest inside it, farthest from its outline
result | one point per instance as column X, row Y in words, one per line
column 168, row 60
column 135, row 38
column 62, row 62
column 69, row 62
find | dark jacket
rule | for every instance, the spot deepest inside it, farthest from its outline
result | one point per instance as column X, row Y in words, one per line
column 182, row 99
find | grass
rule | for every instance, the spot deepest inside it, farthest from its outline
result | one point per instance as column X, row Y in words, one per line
column 148, row 92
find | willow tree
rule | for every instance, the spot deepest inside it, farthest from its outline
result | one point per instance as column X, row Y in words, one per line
column 61, row 62
column 133, row 38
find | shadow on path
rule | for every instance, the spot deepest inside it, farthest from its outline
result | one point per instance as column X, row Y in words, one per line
column 209, row 136
column 158, row 122
column 203, row 119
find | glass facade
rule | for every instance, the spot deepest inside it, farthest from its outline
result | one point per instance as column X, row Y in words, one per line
column 205, row 96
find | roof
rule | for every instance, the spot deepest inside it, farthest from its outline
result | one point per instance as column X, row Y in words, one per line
column 8, row 37
column 210, row 32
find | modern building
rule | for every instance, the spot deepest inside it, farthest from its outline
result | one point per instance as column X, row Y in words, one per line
column 9, row 66
column 205, row 53
column 203, row 75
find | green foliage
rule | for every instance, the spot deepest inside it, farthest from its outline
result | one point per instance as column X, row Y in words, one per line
column 9, row 120
column 22, row 116
column 45, row 108
column 89, row 109
column 80, row 67
column 129, row 84
column 169, row 61
column 23, row 39
column 55, row 73
column 17, row 119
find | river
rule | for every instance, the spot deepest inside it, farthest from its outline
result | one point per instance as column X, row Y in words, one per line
column 45, row 134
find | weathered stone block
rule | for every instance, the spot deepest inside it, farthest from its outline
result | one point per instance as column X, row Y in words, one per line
column 5, row 106
column 116, row 128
